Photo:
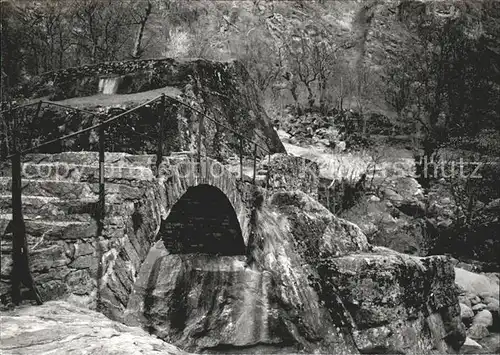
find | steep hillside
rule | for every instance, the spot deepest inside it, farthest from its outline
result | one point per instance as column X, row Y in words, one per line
column 357, row 38
column 325, row 52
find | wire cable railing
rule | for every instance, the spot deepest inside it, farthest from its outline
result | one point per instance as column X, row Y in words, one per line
column 20, row 272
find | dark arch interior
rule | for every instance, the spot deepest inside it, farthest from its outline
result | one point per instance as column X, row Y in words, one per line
column 203, row 221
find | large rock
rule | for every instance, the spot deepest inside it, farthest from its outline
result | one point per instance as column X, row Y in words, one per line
column 477, row 284
column 310, row 281
column 470, row 346
column 490, row 344
column 61, row 328
column 477, row 331
column 466, row 313
column 493, row 307
column 463, row 299
column 391, row 300
column 479, row 307
column 483, row 318
column 201, row 301
column 262, row 302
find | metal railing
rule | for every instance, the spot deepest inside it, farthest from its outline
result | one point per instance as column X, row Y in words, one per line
column 21, row 269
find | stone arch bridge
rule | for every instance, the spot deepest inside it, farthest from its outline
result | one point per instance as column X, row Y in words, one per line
column 205, row 210
column 191, row 207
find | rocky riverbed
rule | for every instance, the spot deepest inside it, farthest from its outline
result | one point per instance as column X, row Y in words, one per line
column 479, row 296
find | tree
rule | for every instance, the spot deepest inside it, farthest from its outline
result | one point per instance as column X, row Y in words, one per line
column 54, row 34
column 259, row 55
column 102, row 29
column 445, row 82
column 141, row 21
column 312, row 64
column 11, row 52
column 364, row 90
column 398, row 91
column 326, row 65
column 300, row 54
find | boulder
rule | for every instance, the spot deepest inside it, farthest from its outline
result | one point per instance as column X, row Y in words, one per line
column 205, row 303
column 478, row 307
column 388, row 309
column 477, row 331
column 466, row 313
column 465, row 300
column 477, row 284
column 493, row 307
column 393, row 196
column 483, row 318
column 475, row 300
column 470, row 346
column 58, row 327
column 490, row 344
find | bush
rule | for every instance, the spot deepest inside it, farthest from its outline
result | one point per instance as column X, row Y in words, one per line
column 341, row 195
column 356, row 141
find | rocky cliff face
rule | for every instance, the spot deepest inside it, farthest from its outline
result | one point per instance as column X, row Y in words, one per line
column 368, row 34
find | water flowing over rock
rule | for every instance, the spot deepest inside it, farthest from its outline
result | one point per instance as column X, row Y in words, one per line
column 109, row 86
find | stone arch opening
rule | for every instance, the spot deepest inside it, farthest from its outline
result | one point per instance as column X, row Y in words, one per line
column 203, row 220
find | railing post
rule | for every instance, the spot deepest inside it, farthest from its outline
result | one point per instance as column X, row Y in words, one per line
column 159, row 153
column 5, row 123
column 38, row 107
column 334, row 201
column 200, row 127
column 254, row 162
column 268, row 170
column 20, row 262
column 18, row 227
column 328, row 199
column 102, row 193
column 241, row 158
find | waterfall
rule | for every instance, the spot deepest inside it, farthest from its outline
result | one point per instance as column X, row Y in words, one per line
column 109, row 86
